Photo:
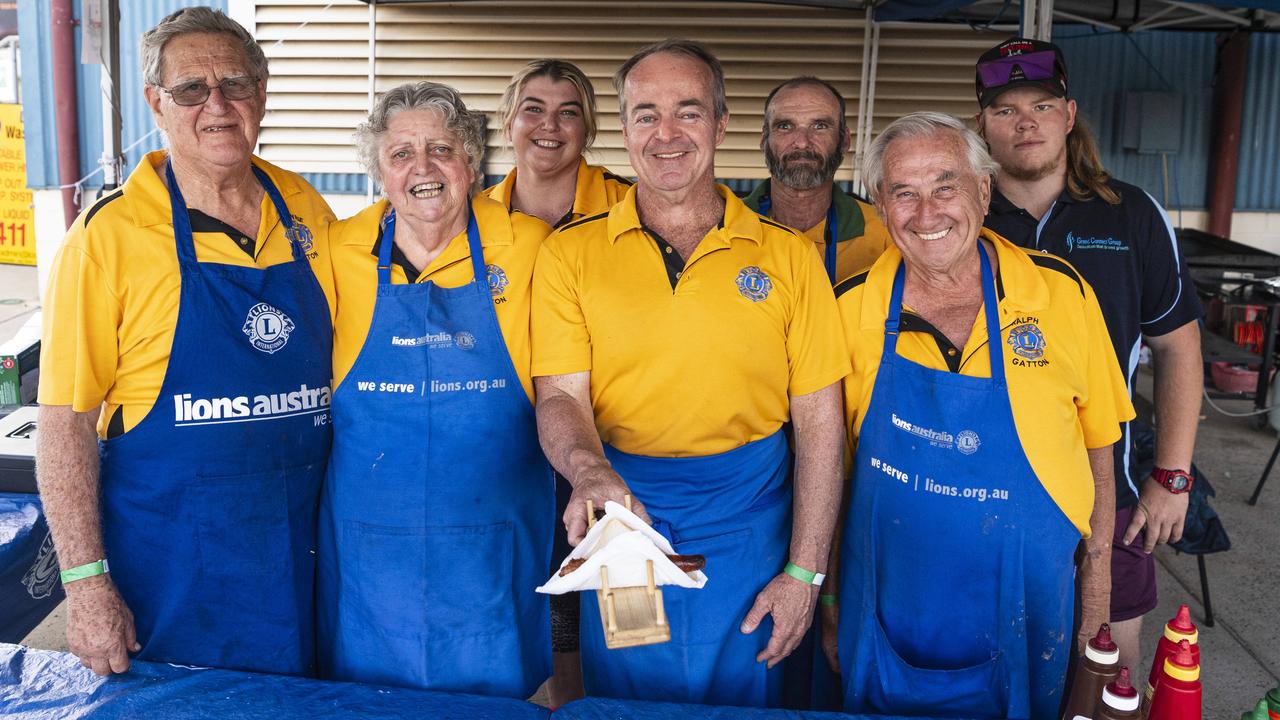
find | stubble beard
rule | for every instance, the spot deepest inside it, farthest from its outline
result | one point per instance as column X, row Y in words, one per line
column 802, row 176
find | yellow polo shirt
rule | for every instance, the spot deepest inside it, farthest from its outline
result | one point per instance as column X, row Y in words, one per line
column 510, row 243
column 858, row 253
column 111, row 305
column 699, row 369
column 597, row 191
column 1067, row 394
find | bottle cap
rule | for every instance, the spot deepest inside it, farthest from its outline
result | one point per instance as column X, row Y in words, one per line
column 1181, row 665
column 1120, row 694
column 1101, row 649
column 1181, row 627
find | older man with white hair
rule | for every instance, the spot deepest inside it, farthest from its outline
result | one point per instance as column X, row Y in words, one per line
column 984, row 401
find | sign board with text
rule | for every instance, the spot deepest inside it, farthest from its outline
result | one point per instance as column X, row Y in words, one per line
column 17, row 223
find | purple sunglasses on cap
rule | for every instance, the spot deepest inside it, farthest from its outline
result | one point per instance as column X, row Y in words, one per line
column 1035, row 66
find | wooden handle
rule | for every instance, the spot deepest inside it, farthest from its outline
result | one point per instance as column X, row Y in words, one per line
column 591, row 514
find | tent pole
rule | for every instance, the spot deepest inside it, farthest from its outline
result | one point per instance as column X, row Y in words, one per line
column 863, row 88
column 373, row 77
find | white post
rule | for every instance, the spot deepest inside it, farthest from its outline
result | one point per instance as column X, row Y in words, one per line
column 1037, row 19
column 373, row 76
column 112, row 162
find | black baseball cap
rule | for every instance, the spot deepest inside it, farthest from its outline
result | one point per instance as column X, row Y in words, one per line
column 1020, row 62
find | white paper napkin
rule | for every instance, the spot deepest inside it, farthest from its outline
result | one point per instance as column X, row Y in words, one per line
column 621, row 541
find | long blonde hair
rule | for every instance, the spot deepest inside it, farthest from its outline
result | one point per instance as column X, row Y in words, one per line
column 1086, row 177
column 555, row 70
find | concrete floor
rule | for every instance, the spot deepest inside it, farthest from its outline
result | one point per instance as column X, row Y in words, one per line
column 1240, row 653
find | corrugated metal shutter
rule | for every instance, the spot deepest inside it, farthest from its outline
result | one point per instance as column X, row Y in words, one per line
column 318, row 90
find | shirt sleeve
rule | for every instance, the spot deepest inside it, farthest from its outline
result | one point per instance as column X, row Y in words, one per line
column 560, row 338
column 816, row 351
column 1169, row 298
column 1106, row 403
column 79, row 345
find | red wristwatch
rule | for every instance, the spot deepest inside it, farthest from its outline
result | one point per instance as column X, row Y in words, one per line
column 1175, row 481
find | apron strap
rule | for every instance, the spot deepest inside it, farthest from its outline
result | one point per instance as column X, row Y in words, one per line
column 476, row 249
column 829, row 258
column 385, row 241
column 989, row 307
column 181, row 219
column 283, row 211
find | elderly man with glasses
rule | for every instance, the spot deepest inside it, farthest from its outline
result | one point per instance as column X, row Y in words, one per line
column 185, row 394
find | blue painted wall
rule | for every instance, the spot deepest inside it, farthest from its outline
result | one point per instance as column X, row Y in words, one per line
column 1103, row 67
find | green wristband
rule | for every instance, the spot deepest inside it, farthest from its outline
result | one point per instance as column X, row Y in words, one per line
column 87, row 570
column 833, row 600
column 807, row 577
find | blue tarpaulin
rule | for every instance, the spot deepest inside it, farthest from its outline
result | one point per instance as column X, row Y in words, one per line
column 45, row 685
column 29, row 587
column 610, row 709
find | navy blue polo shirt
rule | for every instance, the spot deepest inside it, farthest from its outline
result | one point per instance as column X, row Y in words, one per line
column 1129, row 254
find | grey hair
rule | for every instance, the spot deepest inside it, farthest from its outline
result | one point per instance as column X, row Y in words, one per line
column 424, row 95
column 690, row 48
column 924, row 124
column 190, row 20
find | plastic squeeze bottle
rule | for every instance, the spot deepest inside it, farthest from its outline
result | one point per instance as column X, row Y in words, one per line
column 1095, row 668
column 1177, row 629
column 1178, row 687
column 1120, row 700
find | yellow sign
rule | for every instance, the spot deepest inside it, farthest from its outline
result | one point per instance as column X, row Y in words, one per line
column 17, row 219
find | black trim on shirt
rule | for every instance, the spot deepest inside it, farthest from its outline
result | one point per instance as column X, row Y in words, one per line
column 780, row 226
column 101, row 203
column 911, row 322
column 1058, row 264
column 115, row 428
column 850, row 283
column 618, row 178
column 201, row 222
column 565, row 220
column 585, row 220
column 671, row 260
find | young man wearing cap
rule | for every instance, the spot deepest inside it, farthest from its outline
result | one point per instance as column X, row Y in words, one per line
column 1053, row 194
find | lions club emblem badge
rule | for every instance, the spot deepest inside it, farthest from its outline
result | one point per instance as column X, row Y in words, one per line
column 268, row 328
column 497, row 279
column 464, row 340
column 753, row 284
column 1027, row 341
column 967, row 442
column 298, row 232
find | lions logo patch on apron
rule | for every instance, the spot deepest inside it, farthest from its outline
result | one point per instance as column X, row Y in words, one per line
column 268, row 328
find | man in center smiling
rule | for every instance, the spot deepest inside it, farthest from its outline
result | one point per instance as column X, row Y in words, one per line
column 673, row 337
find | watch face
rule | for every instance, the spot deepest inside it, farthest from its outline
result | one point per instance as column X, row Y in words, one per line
column 1178, row 482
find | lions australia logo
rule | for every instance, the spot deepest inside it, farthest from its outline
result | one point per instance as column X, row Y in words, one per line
column 967, row 442
column 497, row 279
column 42, row 576
column 268, row 328
column 753, row 284
column 298, row 232
column 1028, row 344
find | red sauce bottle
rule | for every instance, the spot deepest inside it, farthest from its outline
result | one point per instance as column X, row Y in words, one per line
column 1178, row 629
column 1178, row 691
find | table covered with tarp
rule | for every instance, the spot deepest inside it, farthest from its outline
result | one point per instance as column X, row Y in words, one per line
column 48, row 685
column 29, row 587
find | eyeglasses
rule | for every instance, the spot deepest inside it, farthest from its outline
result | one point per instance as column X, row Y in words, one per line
column 1034, row 66
column 197, row 92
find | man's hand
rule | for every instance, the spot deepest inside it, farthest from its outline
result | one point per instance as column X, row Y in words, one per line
column 830, row 616
column 1163, row 514
column 99, row 626
column 791, row 604
column 598, row 486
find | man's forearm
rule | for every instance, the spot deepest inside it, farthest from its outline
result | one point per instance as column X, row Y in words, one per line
column 67, row 473
column 819, row 432
column 1179, row 384
column 1095, row 567
column 567, row 432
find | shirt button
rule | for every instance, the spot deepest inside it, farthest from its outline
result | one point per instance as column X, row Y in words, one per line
column 244, row 241
column 951, row 352
column 668, row 249
column 678, row 275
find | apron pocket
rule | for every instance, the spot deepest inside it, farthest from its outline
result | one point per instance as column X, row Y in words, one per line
column 247, row 556
column 706, row 616
column 469, row 578
column 976, row 691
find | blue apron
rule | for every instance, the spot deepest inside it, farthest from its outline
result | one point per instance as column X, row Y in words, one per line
column 734, row 508
column 829, row 251
column 437, row 513
column 957, row 579
column 209, row 503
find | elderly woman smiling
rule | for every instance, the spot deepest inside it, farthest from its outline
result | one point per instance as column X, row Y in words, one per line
column 436, row 517
column 984, row 401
